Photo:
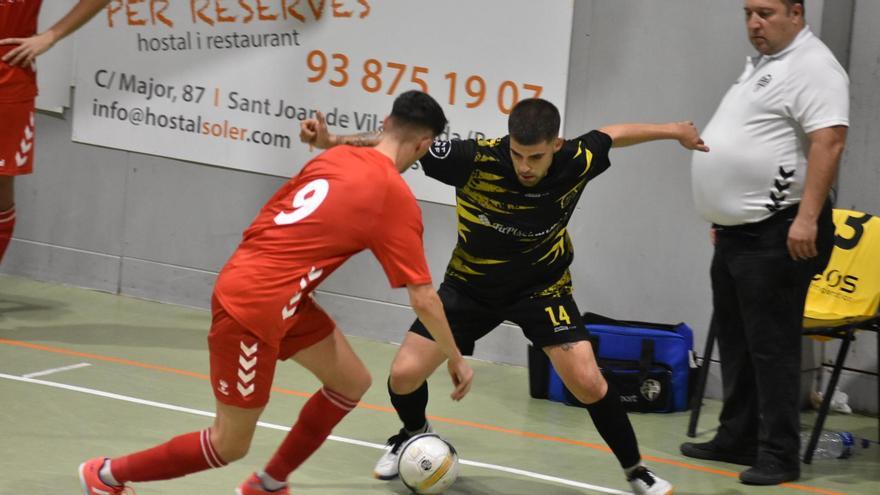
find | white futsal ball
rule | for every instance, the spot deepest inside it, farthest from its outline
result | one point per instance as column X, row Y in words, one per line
column 427, row 464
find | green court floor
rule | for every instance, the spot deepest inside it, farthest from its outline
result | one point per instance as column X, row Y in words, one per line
column 84, row 374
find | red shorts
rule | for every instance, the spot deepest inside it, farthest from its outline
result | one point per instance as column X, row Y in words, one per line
column 243, row 364
column 17, row 138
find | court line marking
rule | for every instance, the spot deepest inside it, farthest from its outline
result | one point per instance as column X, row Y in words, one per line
column 363, row 405
column 272, row 426
column 56, row 370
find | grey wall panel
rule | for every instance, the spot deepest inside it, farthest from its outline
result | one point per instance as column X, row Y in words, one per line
column 506, row 344
column 860, row 385
column 837, row 29
column 362, row 276
column 61, row 264
column 862, row 354
column 390, row 322
column 188, row 214
column 381, row 321
column 641, row 250
column 859, row 181
column 74, row 197
column 862, row 391
column 162, row 282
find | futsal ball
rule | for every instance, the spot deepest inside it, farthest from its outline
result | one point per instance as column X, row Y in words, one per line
column 427, row 464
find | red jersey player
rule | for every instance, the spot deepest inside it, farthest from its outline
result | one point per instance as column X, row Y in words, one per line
column 344, row 201
column 19, row 46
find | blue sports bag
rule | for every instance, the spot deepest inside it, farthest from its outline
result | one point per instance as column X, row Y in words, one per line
column 648, row 363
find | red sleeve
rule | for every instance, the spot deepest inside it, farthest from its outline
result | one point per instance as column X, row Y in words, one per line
column 397, row 239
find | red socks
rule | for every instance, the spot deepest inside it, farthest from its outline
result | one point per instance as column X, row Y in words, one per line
column 182, row 455
column 193, row 452
column 324, row 410
column 7, row 224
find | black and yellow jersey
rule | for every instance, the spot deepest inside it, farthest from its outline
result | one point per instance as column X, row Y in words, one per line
column 512, row 239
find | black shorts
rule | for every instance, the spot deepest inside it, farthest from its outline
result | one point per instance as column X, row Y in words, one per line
column 544, row 321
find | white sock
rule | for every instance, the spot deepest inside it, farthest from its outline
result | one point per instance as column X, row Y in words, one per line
column 106, row 475
column 270, row 483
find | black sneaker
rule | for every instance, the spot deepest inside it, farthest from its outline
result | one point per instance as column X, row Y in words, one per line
column 711, row 451
column 769, row 473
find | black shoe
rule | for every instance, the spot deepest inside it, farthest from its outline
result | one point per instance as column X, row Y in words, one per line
column 710, row 451
column 768, row 473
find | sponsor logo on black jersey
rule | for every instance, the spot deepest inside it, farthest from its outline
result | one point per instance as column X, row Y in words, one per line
column 440, row 149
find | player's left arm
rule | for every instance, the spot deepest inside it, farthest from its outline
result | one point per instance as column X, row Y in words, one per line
column 629, row 134
column 826, row 148
column 314, row 132
column 29, row 49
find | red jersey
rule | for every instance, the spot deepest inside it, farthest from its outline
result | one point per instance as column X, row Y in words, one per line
column 18, row 19
column 344, row 201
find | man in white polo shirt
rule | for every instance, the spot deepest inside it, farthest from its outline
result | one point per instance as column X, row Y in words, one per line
column 776, row 140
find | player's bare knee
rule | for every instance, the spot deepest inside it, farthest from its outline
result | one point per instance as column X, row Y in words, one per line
column 230, row 448
column 359, row 386
column 404, row 379
column 590, row 386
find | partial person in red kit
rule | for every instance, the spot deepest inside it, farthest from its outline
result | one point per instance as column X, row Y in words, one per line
column 20, row 45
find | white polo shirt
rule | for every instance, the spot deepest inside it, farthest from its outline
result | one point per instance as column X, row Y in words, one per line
column 758, row 135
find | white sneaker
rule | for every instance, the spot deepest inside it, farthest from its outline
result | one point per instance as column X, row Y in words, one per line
column 645, row 482
column 386, row 467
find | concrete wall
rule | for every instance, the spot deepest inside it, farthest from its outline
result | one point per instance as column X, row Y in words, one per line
column 160, row 229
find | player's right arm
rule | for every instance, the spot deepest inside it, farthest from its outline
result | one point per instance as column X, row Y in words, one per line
column 314, row 132
column 428, row 307
column 450, row 162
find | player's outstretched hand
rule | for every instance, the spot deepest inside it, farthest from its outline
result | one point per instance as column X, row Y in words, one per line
column 314, row 132
column 28, row 49
column 690, row 137
column 462, row 375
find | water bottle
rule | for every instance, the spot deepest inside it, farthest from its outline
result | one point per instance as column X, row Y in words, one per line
column 831, row 444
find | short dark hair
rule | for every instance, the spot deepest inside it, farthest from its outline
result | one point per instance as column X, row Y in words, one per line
column 417, row 109
column 792, row 3
column 533, row 121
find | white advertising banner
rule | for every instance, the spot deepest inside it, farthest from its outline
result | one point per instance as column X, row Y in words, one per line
column 227, row 82
column 55, row 67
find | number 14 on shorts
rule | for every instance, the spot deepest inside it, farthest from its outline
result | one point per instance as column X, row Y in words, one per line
column 560, row 315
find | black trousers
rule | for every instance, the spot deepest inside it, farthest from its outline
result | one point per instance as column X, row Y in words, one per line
column 758, row 294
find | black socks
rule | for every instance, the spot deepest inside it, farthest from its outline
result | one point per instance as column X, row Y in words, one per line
column 411, row 407
column 613, row 425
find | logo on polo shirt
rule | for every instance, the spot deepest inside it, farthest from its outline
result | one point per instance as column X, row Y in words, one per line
column 779, row 191
column 763, row 82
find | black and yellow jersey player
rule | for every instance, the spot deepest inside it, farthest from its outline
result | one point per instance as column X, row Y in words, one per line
column 514, row 198
column 512, row 237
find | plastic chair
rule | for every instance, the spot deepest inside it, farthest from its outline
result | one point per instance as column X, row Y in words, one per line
column 840, row 301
